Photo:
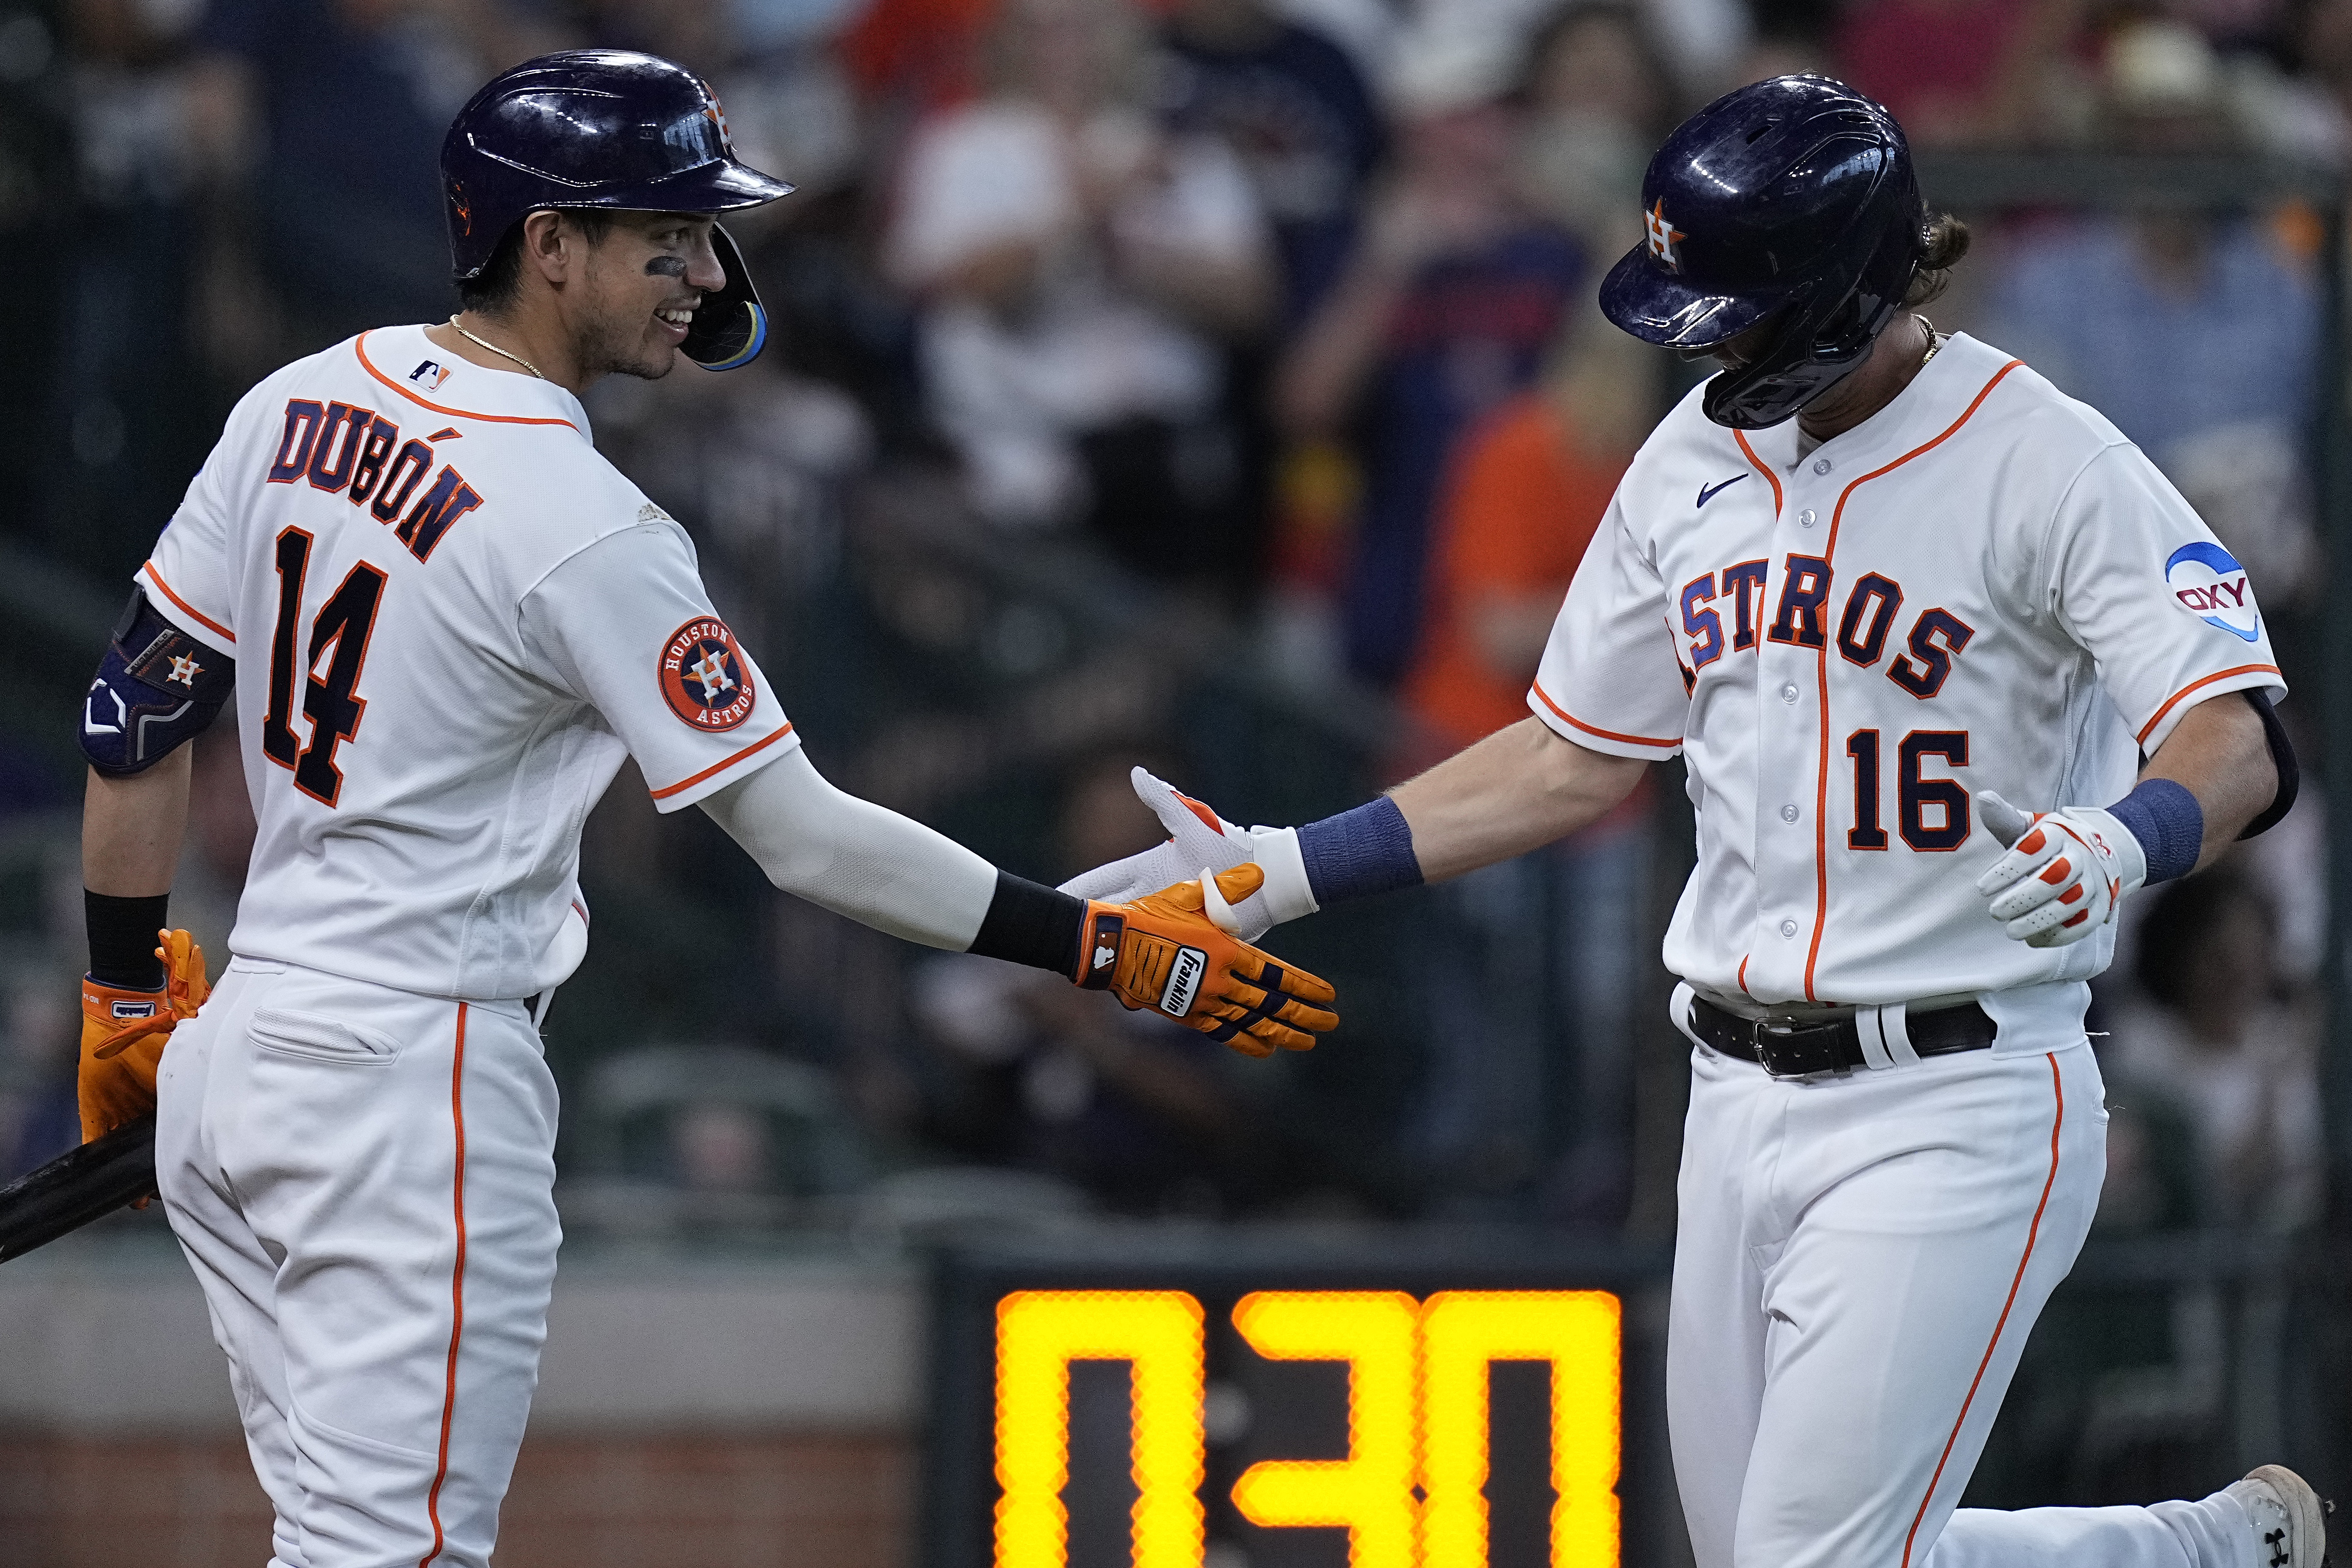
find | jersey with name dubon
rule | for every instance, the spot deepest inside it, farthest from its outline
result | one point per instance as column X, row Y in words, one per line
column 451, row 619
column 1984, row 586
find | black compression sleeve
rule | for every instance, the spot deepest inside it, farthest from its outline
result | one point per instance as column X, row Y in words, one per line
column 1030, row 923
column 123, row 939
column 2290, row 776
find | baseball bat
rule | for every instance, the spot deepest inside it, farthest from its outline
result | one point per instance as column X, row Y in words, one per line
column 76, row 1187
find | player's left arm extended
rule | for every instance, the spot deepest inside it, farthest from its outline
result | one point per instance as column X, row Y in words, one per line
column 1170, row 949
column 2225, row 773
column 1521, row 787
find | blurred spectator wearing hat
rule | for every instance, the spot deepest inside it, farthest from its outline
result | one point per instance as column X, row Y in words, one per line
column 1454, row 292
column 2111, row 307
column 1292, row 106
column 1078, row 270
column 2220, row 1044
column 1599, row 99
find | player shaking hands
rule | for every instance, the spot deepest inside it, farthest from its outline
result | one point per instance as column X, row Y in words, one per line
column 1872, row 583
column 444, row 620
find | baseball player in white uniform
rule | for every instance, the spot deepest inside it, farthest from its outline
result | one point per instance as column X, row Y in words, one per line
column 1873, row 584
column 444, row 620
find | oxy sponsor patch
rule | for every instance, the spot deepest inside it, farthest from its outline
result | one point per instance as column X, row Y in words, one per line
column 703, row 677
column 2207, row 580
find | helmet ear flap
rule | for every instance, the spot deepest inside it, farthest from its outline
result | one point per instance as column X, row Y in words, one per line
column 1848, row 331
column 730, row 327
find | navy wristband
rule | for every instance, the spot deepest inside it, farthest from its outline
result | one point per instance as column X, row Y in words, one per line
column 2168, row 822
column 1367, row 850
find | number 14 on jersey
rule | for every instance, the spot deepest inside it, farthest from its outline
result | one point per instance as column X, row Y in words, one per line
column 332, row 658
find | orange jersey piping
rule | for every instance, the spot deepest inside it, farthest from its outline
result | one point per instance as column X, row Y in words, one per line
column 205, row 620
column 1822, row 673
column 2171, row 703
column 1595, row 730
column 457, row 1291
column 359, row 347
column 690, row 782
column 2032, row 1234
column 1761, row 466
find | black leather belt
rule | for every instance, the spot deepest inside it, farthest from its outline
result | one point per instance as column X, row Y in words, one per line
column 1798, row 1050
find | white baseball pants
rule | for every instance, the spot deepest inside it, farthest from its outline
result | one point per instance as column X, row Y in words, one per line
column 362, row 1180
column 1858, row 1264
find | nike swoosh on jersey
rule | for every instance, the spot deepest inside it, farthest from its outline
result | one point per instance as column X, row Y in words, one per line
column 1708, row 492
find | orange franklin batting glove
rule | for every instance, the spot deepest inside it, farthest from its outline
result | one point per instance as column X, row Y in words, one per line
column 1165, row 951
column 123, row 1034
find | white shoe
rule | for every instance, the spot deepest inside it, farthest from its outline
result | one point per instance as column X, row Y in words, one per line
column 2288, row 1515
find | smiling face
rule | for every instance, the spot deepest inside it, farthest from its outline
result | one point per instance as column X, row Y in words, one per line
column 639, row 286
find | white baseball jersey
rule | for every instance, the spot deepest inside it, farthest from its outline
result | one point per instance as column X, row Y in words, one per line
column 452, row 618
column 1983, row 587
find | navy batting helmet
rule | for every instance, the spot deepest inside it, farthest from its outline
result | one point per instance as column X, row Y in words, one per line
column 605, row 128
column 1789, row 202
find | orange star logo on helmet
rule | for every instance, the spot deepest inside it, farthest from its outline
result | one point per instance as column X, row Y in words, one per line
column 1663, row 235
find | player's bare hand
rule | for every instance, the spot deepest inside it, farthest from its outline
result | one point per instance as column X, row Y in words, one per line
column 1198, row 837
column 1175, row 952
column 123, row 1033
column 2063, row 874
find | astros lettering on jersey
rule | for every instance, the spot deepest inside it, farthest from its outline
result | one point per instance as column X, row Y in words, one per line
column 1846, row 646
column 467, row 618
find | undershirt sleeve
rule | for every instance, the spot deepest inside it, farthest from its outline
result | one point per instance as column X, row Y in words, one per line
column 858, row 858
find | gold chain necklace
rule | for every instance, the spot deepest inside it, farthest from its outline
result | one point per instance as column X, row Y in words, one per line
column 496, row 349
column 1935, row 341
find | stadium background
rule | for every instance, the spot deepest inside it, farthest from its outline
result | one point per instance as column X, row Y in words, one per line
column 1214, row 385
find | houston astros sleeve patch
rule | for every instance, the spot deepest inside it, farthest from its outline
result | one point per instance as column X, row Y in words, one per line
column 705, row 679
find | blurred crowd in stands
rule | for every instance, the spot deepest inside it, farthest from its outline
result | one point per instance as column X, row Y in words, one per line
column 1215, row 385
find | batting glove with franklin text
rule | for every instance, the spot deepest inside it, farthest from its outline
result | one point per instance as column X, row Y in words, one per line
column 1175, row 952
column 2065, row 871
column 1198, row 839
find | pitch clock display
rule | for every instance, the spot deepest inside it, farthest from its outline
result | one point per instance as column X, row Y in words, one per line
column 1411, row 1489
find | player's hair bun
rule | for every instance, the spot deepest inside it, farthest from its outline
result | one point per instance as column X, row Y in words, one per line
column 1947, row 241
